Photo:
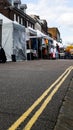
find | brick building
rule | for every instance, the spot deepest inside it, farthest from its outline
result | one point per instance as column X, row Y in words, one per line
column 44, row 26
column 54, row 33
column 16, row 12
column 40, row 24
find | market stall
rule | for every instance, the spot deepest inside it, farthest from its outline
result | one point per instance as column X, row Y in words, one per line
column 42, row 44
column 13, row 40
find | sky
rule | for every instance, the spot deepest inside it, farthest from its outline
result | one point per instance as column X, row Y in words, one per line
column 57, row 13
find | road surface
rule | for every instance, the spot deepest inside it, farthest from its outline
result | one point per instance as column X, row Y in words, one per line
column 32, row 92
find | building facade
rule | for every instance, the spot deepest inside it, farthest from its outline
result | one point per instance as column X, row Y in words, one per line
column 16, row 12
column 55, row 34
column 44, row 26
column 37, row 22
column 40, row 24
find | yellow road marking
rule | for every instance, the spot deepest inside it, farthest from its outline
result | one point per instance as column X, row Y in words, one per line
column 26, row 114
column 40, row 110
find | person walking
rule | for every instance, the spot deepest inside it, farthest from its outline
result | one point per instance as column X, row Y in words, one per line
column 2, row 56
column 58, row 50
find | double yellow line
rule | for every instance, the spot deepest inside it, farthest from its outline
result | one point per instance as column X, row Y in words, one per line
column 55, row 86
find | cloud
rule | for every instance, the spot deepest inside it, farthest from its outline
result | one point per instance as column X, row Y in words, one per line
column 66, row 19
column 53, row 11
column 58, row 13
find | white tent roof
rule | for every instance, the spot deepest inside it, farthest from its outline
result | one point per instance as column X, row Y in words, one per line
column 41, row 35
column 31, row 30
column 5, row 19
column 60, row 44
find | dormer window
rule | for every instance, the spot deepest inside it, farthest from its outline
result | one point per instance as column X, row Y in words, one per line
column 17, row 3
column 23, row 7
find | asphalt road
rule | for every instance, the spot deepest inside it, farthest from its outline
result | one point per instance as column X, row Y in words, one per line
column 22, row 83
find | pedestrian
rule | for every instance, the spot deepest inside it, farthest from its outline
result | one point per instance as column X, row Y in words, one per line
column 52, row 52
column 2, row 56
column 58, row 50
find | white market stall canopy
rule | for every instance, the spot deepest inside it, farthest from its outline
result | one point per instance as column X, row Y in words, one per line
column 13, row 39
column 39, row 34
column 30, row 32
column 60, row 44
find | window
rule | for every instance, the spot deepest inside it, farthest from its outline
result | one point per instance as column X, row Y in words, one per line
column 18, row 19
column 22, row 21
column 32, row 26
column 27, row 23
column 14, row 17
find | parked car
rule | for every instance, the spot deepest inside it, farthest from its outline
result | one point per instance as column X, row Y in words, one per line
column 62, row 53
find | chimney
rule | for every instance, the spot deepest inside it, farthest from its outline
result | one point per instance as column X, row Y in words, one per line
column 23, row 7
column 17, row 3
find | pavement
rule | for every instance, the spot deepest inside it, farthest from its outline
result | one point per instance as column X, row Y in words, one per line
column 65, row 118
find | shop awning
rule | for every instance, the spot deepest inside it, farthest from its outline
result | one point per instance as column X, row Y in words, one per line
column 41, row 35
